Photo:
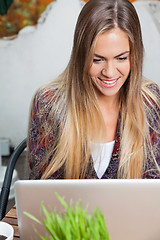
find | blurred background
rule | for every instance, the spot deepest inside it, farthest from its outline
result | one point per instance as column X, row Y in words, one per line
column 17, row 14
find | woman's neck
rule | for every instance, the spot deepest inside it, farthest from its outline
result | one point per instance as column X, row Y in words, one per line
column 108, row 102
column 110, row 112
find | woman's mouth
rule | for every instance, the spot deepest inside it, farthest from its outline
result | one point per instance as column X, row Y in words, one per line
column 109, row 83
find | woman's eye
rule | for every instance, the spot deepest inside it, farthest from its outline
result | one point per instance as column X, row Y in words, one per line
column 122, row 58
column 96, row 60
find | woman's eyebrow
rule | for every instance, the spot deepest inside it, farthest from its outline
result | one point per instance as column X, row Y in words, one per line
column 119, row 55
column 99, row 56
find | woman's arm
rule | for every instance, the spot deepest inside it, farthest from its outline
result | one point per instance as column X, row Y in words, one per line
column 38, row 143
column 153, row 118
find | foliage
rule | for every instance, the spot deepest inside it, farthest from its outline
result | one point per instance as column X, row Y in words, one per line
column 21, row 13
column 73, row 223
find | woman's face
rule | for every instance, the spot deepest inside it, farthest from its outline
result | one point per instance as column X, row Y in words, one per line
column 111, row 63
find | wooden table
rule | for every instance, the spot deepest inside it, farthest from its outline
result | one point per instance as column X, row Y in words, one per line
column 11, row 218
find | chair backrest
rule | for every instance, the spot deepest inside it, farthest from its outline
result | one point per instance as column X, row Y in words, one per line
column 8, row 177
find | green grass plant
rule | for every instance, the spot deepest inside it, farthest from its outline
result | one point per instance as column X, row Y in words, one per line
column 73, row 224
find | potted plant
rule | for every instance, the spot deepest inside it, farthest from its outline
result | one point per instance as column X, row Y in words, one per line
column 73, row 223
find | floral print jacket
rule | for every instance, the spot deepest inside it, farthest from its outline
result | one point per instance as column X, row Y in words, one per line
column 37, row 147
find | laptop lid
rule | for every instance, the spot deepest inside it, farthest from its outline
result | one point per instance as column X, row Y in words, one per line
column 131, row 207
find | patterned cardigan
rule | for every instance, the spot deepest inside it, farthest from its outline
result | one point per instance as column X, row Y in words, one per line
column 37, row 147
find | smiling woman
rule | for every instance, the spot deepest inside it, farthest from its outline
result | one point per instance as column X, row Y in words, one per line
column 100, row 118
column 109, row 71
column 111, row 65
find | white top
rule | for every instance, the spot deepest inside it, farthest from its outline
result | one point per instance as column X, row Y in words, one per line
column 101, row 154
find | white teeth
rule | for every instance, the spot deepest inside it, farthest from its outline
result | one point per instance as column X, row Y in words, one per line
column 110, row 82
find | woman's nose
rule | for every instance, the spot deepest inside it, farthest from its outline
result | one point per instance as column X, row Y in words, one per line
column 109, row 70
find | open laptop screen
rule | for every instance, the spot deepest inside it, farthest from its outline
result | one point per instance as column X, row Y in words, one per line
column 131, row 207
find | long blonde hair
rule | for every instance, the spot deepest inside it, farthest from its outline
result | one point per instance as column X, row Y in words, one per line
column 76, row 109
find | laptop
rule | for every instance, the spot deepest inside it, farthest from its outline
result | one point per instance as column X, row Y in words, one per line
column 131, row 207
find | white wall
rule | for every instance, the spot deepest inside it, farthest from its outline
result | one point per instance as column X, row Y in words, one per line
column 40, row 53
column 37, row 55
column 149, row 15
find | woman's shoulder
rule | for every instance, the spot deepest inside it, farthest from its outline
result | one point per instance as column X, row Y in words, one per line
column 43, row 98
column 151, row 93
column 150, row 87
column 151, row 100
column 45, row 95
